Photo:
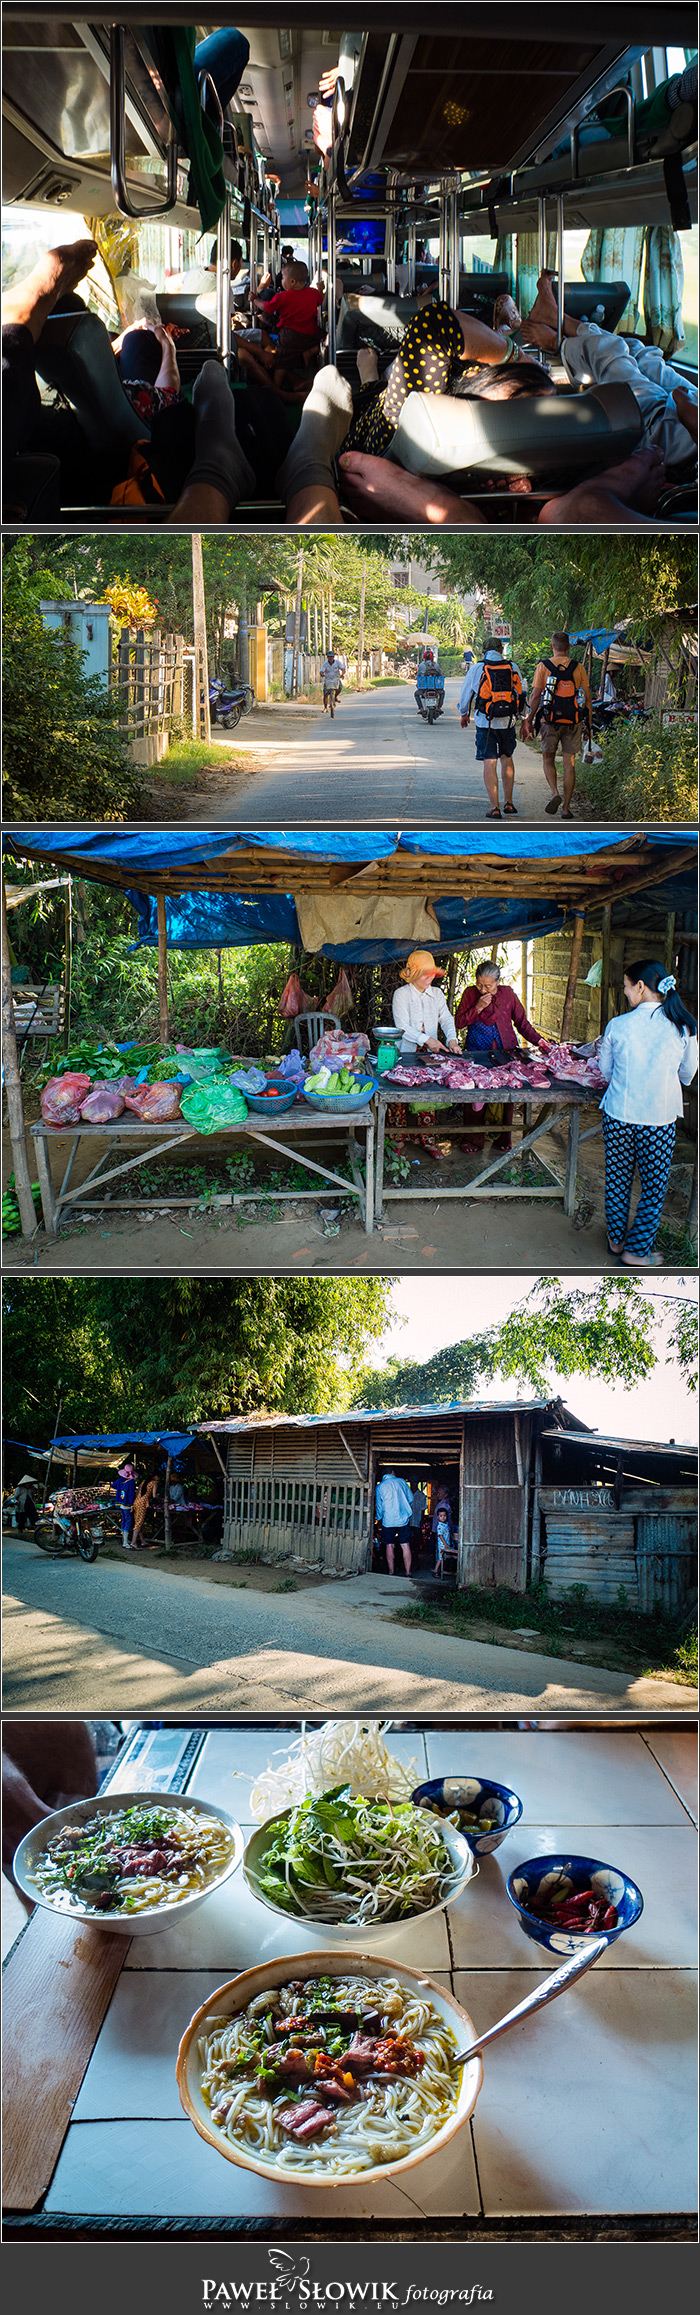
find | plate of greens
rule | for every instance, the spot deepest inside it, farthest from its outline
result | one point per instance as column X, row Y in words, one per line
column 346, row 1861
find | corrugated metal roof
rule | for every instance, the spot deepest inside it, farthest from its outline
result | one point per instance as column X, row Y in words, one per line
column 624, row 1446
column 383, row 1414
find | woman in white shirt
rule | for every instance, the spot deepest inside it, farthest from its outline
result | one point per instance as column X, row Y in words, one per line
column 645, row 1056
column 419, row 1010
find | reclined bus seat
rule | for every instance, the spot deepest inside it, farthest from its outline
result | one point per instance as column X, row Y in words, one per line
column 34, row 483
column 74, row 354
column 545, row 437
column 478, row 293
column 582, row 298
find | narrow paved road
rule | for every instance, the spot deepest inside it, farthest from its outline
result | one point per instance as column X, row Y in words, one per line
column 81, row 1639
column 376, row 761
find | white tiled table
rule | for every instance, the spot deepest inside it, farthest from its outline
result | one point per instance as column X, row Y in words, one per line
column 588, row 2110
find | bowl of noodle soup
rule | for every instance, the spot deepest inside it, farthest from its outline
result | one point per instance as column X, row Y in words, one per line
column 390, row 2121
column 131, row 1862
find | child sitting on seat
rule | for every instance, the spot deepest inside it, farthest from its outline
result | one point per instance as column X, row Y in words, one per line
column 294, row 312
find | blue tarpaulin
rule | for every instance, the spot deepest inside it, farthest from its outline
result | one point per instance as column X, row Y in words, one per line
column 111, row 1442
column 212, row 917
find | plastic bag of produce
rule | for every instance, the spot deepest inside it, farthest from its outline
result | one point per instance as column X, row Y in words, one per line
column 102, row 1102
column 294, row 999
column 197, row 1062
column 61, row 1098
column 156, row 1104
column 248, row 1080
column 292, row 1066
column 211, row 1107
column 340, row 999
column 338, row 1049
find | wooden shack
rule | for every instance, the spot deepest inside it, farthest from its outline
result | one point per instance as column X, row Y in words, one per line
column 534, row 1494
column 303, row 1487
column 618, row 1516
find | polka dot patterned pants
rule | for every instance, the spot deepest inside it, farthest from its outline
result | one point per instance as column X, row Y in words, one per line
column 649, row 1149
column 432, row 344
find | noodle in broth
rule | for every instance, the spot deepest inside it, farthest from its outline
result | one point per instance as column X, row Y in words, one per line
column 386, row 2115
column 132, row 1860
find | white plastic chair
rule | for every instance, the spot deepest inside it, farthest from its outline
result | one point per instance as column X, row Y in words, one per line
column 313, row 1025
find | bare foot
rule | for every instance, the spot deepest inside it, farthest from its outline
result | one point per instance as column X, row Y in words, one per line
column 368, row 364
column 57, row 271
column 375, row 486
column 687, row 411
column 631, row 489
column 506, row 315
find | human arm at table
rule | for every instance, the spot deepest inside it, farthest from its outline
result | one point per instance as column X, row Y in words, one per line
column 469, row 689
column 536, row 695
column 447, row 1024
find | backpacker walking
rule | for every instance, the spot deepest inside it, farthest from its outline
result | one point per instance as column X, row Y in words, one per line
column 560, row 714
column 498, row 691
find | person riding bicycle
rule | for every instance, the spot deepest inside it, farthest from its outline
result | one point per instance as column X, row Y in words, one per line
column 332, row 679
column 429, row 678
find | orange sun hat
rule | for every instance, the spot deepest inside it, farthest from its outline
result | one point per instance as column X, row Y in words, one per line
column 421, row 961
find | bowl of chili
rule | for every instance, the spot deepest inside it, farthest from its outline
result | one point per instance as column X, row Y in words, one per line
column 562, row 1900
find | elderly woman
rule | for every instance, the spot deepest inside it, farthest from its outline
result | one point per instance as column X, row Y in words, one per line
column 419, row 1009
column 490, row 1014
column 646, row 1056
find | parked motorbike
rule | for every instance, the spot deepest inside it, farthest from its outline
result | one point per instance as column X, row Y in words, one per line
column 227, row 707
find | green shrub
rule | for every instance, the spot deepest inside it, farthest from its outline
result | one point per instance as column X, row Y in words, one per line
column 64, row 757
column 645, row 774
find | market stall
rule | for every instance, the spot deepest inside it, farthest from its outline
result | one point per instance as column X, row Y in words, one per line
column 93, row 2022
column 365, row 898
column 133, row 1141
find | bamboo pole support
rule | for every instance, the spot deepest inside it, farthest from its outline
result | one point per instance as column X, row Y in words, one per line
column 163, row 1016
column 13, row 1085
column 574, row 961
column 201, row 665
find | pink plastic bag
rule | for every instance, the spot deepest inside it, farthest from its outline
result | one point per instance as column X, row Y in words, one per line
column 61, row 1098
column 340, row 999
column 156, row 1104
column 338, row 1050
column 294, row 1000
column 103, row 1102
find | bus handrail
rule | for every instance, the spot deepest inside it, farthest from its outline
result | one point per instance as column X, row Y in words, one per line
column 621, row 89
column 207, row 87
column 117, row 140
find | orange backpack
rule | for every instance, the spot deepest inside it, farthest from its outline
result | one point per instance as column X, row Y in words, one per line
column 500, row 690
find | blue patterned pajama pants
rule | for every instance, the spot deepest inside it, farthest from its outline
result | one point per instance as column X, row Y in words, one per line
column 649, row 1149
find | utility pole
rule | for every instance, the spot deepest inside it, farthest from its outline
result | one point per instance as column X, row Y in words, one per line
column 202, row 719
column 296, row 645
column 361, row 632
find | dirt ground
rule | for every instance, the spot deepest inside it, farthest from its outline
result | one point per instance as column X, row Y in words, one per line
column 328, row 1234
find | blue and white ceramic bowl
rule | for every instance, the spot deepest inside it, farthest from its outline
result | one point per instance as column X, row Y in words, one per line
column 482, row 1799
column 540, row 1877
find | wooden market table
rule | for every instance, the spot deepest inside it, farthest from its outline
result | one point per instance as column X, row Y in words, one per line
column 586, row 2110
column 558, row 1102
column 123, row 1133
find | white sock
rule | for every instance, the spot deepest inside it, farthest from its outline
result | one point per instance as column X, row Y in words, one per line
column 325, row 420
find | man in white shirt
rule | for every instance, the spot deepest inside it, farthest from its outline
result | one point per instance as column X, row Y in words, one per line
column 394, row 1504
column 419, row 1010
column 499, row 691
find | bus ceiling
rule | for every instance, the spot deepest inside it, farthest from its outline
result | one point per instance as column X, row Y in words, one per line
column 490, row 95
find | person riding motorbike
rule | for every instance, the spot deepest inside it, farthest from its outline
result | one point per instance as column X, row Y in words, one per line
column 429, row 678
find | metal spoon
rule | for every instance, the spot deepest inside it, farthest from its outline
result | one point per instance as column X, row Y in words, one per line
column 547, row 1992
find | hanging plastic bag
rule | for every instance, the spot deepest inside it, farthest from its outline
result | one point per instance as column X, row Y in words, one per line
column 340, row 999
column 136, row 300
column 102, row 1102
column 294, row 1000
column 156, row 1104
column 61, row 1098
column 211, row 1107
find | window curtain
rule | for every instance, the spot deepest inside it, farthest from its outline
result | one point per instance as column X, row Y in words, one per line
column 616, row 253
column 528, row 267
column 663, row 289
